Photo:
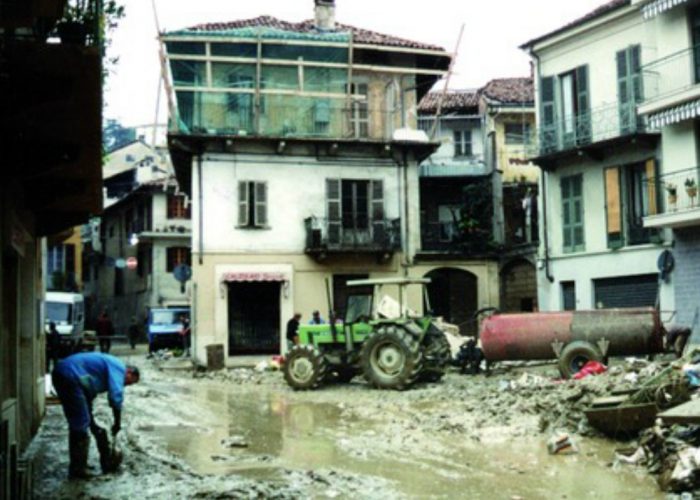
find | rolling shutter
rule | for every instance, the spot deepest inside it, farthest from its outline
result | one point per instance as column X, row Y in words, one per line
column 627, row 291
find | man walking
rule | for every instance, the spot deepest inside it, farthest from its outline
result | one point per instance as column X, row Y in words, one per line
column 105, row 330
column 292, row 327
column 78, row 379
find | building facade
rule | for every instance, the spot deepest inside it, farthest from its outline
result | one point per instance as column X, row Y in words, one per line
column 600, row 164
column 671, row 105
column 143, row 234
column 51, row 183
column 298, row 144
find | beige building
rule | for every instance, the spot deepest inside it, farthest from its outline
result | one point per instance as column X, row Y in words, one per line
column 298, row 144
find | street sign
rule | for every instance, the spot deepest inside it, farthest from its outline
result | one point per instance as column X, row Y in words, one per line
column 182, row 273
column 132, row 263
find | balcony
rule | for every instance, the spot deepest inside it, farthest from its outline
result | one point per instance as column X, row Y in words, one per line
column 455, row 238
column 671, row 80
column 589, row 133
column 325, row 236
column 680, row 207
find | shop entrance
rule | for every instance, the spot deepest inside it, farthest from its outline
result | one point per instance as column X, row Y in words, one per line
column 253, row 318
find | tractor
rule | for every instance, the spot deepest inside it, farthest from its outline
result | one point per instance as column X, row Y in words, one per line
column 379, row 338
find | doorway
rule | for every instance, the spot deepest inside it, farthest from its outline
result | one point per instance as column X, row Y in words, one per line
column 453, row 296
column 254, row 318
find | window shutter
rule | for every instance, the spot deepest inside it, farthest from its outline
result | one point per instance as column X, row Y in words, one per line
column 635, row 58
column 572, row 213
column 613, row 207
column 548, row 132
column 333, row 209
column 260, row 204
column 377, row 208
column 583, row 106
column 243, row 203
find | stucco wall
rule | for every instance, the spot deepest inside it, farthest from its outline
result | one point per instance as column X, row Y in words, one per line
column 685, row 279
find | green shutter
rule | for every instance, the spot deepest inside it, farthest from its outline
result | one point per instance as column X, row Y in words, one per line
column 548, row 130
column 333, row 209
column 629, row 87
column 583, row 106
column 572, row 213
column 243, row 210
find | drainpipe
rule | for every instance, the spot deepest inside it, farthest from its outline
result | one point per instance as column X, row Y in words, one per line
column 200, row 197
column 545, row 232
column 407, row 255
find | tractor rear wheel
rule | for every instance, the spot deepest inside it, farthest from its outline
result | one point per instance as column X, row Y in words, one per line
column 305, row 368
column 391, row 358
column 436, row 355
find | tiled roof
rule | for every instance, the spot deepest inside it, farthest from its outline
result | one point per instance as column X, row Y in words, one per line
column 599, row 11
column 359, row 35
column 510, row 90
column 453, row 100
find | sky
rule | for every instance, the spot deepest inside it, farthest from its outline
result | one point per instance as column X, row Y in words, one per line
column 493, row 30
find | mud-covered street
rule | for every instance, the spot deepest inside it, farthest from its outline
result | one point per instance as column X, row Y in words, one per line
column 242, row 433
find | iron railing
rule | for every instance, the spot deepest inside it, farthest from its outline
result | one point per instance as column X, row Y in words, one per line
column 680, row 191
column 582, row 129
column 381, row 235
column 440, row 236
column 671, row 74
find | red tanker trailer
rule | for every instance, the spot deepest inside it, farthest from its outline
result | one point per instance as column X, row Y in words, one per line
column 572, row 337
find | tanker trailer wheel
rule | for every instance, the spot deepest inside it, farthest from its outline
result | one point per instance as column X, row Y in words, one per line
column 575, row 355
column 436, row 355
column 391, row 358
column 305, row 368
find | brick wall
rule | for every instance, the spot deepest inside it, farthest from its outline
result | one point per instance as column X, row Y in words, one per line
column 686, row 279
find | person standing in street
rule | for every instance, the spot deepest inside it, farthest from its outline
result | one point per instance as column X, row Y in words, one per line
column 134, row 332
column 292, row 327
column 78, row 379
column 185, row 334
column 316, row 319
column 53, row 347
column 105, row 330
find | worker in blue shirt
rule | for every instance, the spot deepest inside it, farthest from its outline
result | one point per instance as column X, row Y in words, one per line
column 78, row 379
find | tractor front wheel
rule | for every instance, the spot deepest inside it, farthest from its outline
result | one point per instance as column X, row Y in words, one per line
column 391, row 358
column 305, row 368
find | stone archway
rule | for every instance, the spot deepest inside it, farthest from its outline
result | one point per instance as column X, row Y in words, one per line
column 519, row 286
column 453, row 295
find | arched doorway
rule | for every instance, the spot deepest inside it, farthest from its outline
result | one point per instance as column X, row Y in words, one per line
column 519, row 287
column 453, row 295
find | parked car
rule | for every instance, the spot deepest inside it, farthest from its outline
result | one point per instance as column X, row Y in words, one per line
column 164, row 327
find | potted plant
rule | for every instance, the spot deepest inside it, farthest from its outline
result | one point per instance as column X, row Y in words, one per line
column 692, row 189
column 672, row 193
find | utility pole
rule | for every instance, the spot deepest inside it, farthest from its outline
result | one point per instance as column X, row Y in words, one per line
column 447, row 83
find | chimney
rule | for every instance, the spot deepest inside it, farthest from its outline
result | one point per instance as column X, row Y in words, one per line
column 325, row 14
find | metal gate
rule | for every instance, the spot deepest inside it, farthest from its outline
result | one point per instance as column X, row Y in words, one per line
column 627, row 291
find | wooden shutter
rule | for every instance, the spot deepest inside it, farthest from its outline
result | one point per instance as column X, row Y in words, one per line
column 377, row 210
column 548, row 137
column 260, row 204
column 613, row 207
column 652, row 180
column 333, row 209
column 243, row 203
column 583, row 106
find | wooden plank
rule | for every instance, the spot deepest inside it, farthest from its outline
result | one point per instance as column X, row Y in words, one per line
column 687, row 413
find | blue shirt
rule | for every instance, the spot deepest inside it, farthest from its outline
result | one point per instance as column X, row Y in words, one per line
column 96, row 373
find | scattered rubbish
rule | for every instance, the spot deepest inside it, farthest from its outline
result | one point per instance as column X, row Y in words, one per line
column 262, row 366
column 637, row 456
column 561, row 444
column 687, row 470
column 590, row 368
column 234, row 442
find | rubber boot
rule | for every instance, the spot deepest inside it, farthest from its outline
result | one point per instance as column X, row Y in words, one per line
column 78, row 447
column 109, row 461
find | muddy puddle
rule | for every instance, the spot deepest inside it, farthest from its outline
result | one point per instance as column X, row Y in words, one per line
column 264, row 435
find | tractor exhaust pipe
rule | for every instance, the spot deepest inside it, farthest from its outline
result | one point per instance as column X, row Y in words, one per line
column 331, row 310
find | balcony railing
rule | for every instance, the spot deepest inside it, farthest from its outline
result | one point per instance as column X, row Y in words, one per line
column 600, row 124
column 680, row 192
column 671, row 75
column 324, row 235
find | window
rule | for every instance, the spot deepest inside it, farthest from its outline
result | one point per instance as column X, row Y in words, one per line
column 354, row 208
column 629, row 87
column 518, row 133
column 177, row 208
column 565, row 102
column 572, row 213
column 463, row 142
column 252, row 204
column 177, row 256
column 568, row 295
column 359, row 112
column 631, row 193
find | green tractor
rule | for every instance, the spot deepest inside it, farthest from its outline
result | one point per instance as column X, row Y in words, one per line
column 392, row 349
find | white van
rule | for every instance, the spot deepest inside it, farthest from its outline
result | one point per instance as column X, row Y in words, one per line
column 67, row 311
